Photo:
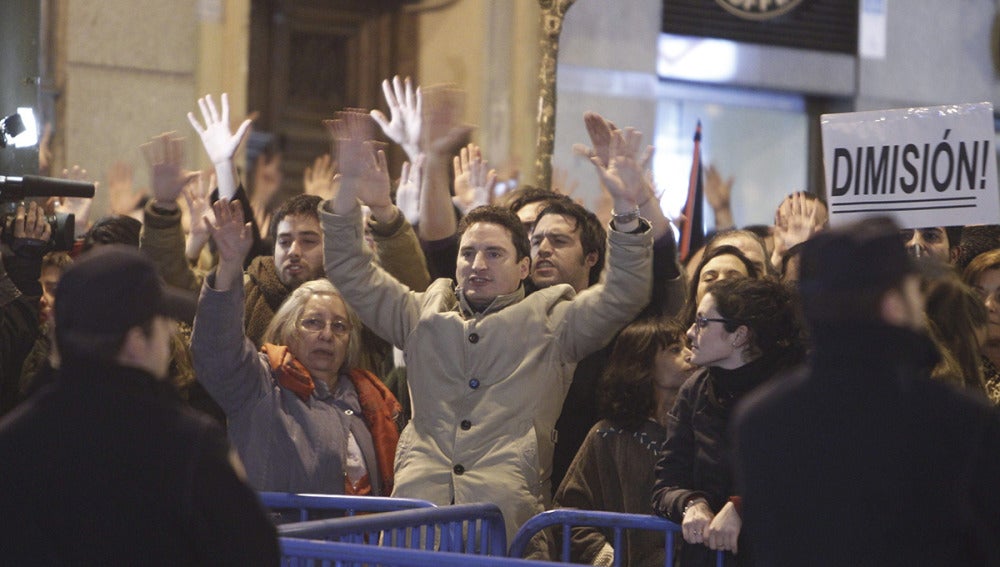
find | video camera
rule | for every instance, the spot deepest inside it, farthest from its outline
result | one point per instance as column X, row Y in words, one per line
column 13, row 191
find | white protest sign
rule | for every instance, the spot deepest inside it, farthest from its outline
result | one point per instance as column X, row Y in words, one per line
column 933, row 166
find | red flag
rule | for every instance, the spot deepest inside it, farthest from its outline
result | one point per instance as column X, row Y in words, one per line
column 692, row 229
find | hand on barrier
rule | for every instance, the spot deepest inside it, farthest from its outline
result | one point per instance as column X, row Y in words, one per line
column 724, row 531
column 697, row 517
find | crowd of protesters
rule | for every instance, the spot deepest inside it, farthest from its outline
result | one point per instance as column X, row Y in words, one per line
column 421, row 336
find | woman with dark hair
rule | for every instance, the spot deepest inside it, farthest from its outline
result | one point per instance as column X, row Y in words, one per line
column 613, row 470
column 983, row 276
column 745, row 331
column 957, row 321
column 719, row 263
column 114, row 229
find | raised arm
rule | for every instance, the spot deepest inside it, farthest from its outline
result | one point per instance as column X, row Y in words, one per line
column 408, row 191
column 320, row 178
column 443, row 133
column 475, row 182
column 406, row 115
column 796, row 220
column 384, row 304
column 121, row 191
column 718, row 193
column 79, row 207
column 600, row 311
column 162, row 237
column 233, row 241
column 623, row 178
column 225, row 360
column 196, row 194
column 219, row 141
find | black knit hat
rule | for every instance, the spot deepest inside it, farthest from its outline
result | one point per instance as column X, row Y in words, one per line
column 109, row 290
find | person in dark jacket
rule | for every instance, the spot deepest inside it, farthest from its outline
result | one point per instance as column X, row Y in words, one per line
column 861, row 458
column 745, row 331
column 105, row 465
column 613, row 471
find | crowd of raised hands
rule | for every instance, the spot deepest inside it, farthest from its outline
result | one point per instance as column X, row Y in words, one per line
column 427, row 124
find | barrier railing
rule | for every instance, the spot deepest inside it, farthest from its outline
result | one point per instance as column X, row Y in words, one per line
column 311, row 553
column 307, row 505
column 476, row 529
column 617, row 523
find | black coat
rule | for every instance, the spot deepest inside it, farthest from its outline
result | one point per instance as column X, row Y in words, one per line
column 863, row 460
column 695, row 460
column 105, row 466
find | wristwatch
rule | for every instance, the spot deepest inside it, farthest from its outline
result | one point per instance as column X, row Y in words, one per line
column 626, row 217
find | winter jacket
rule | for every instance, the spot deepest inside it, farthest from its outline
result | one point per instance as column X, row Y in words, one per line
column 487, row 386
column 286, row 444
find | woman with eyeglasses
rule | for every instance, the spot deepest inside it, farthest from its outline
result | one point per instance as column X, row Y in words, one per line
column 745, row 331
column 301, row 416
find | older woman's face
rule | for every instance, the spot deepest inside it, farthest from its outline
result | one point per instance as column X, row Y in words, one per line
column 717, row 269
column 988, row 288
column 322, row 335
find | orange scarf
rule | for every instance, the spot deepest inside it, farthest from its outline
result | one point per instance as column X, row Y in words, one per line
column 378, row 406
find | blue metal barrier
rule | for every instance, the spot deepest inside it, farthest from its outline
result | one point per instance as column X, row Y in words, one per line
column 312, row 553
column 569, row 518
column 476, row 529
column 307, row 504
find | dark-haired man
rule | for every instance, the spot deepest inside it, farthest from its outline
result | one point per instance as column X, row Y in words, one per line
column 862, row 459
column 487, row 366
column 568, row 247
column 940, row 242
column 106, row 464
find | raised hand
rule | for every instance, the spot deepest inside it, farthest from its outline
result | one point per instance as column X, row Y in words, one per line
column 164, row 155
column 475, row 182
column 124, row 199
column 599, row 131
column 233, row 241
column 45, row 150
column 219, row 141
column 196, row 194
column 364, row 174
column 408, row 192
column 718, row 193
column 796, row 220
column 79, row 207
column 562, row 183
column 267, row 179
column 319, row 178
column 405, row 111
column 623, row 175
column 443, row 130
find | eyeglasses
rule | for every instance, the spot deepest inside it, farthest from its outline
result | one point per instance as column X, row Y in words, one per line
column 702, row 322
column 338, row 327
